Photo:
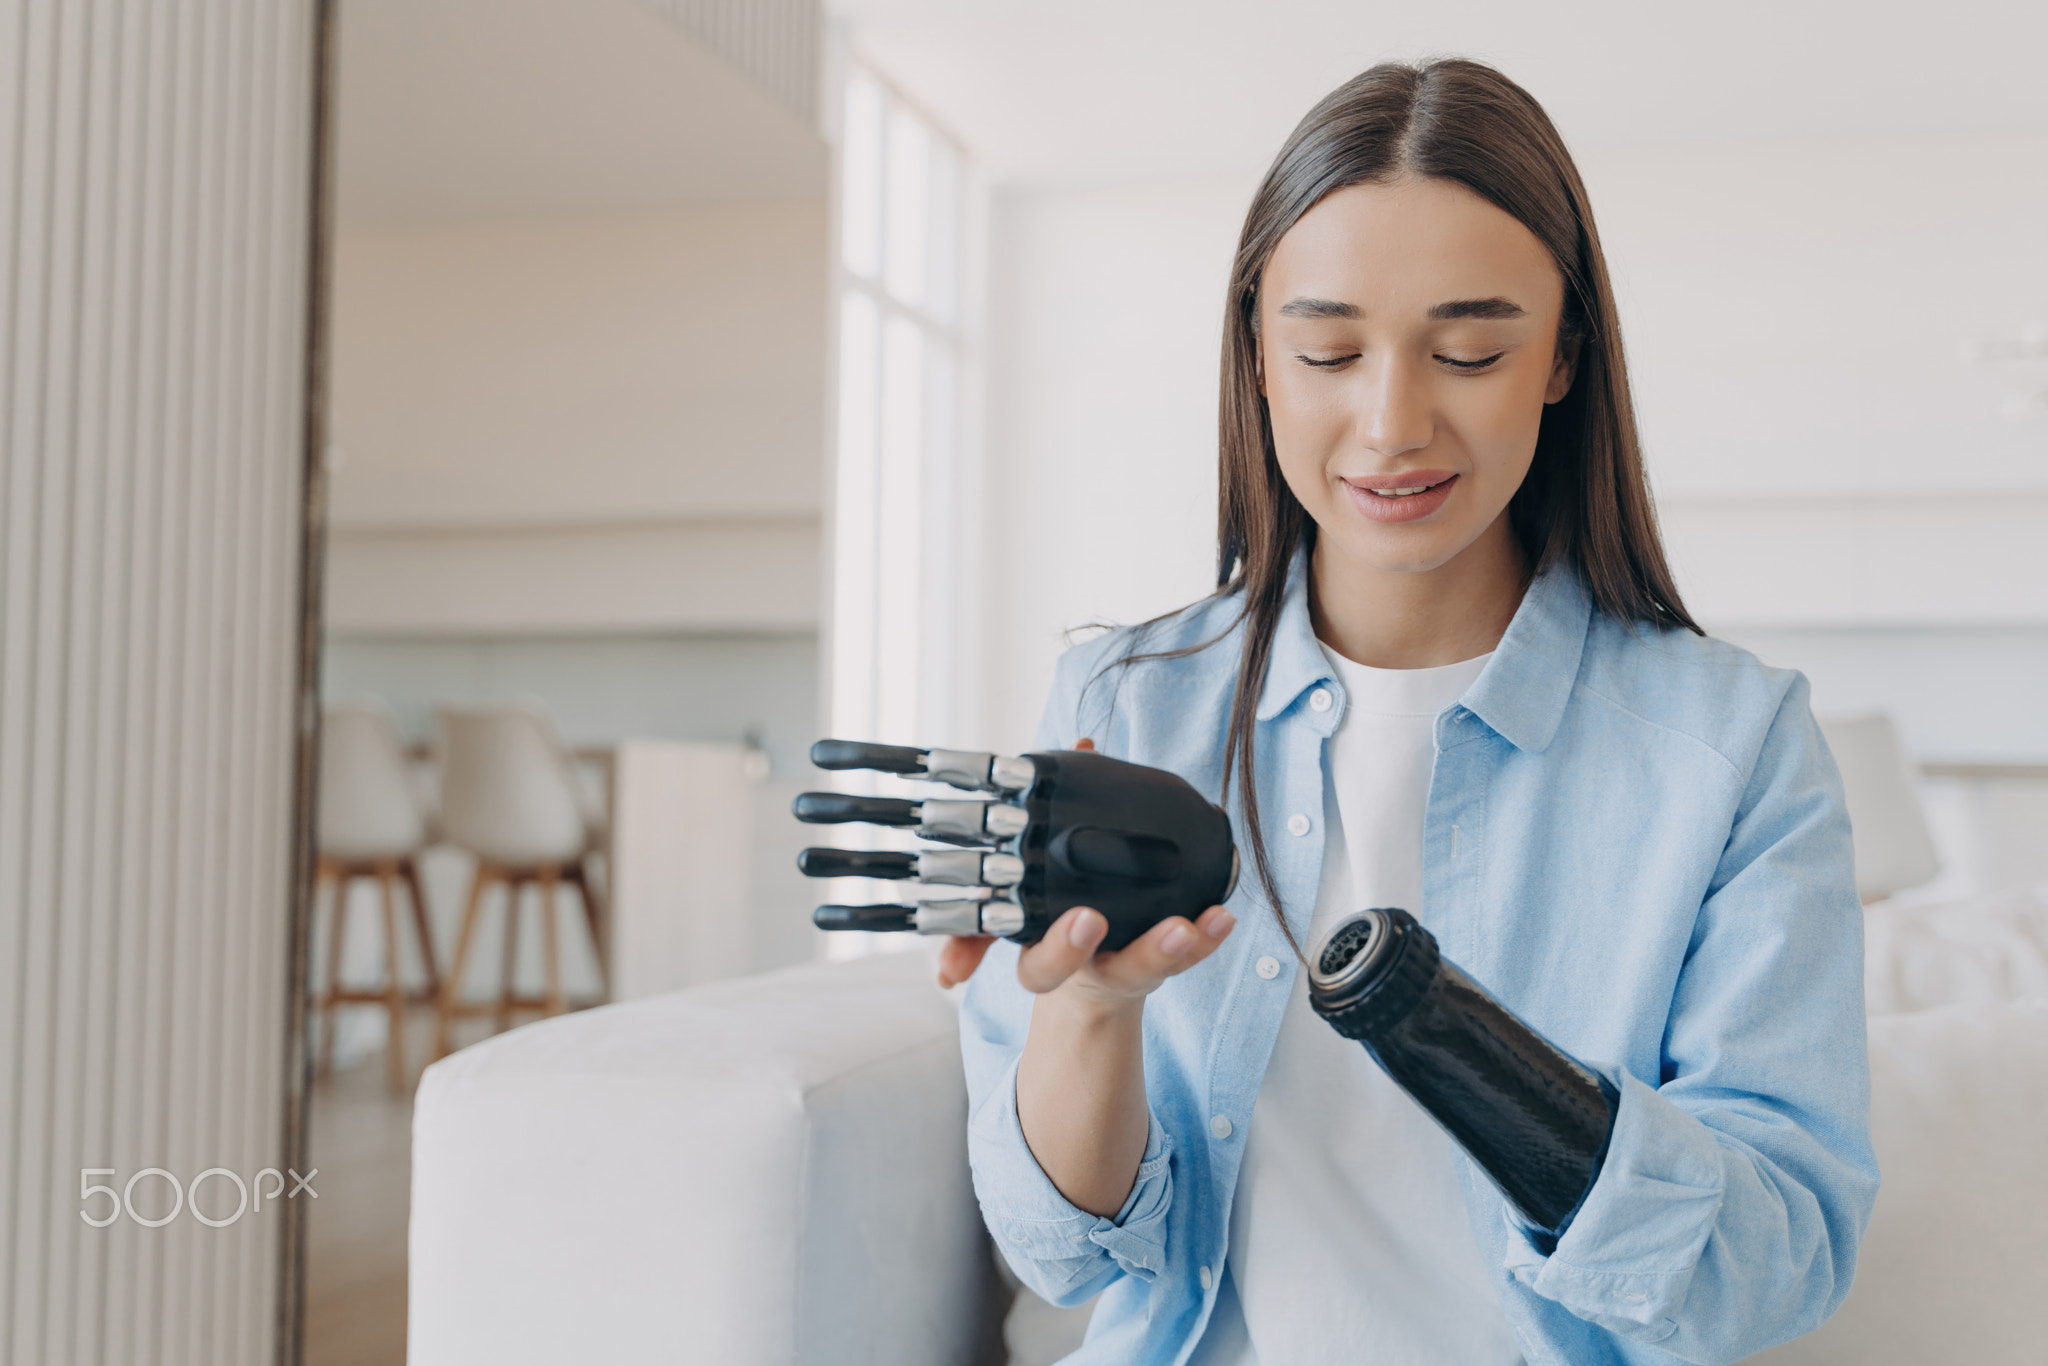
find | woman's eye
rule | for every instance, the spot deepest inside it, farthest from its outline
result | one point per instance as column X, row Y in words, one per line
column 1326, row 363
column 1471, row 364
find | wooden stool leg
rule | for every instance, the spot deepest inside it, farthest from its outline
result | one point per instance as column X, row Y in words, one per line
column 394, row 986
column 509, row 977
column 343, row 878
column 557, row 1002
column 574, row 874
column 409, row 869
column 451, row 985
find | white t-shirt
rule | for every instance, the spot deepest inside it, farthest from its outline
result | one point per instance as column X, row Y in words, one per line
column 1349, row 1241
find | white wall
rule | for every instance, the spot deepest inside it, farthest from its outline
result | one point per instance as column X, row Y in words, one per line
column 710, row 574
column 663, row 363
column 1104, row 327
column 600, row 421
column 1800, row 319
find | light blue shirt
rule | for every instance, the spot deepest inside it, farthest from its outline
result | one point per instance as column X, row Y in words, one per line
column 1636, row 840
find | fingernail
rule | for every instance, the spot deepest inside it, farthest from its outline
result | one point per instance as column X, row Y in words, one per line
column 1222, row 925
column 1081, row 933
column 1177, row 940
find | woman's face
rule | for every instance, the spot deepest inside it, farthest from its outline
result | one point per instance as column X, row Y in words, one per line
column 1408, row 340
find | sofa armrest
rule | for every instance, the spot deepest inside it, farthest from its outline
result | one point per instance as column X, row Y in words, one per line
column 765, row 1170
column 1952, row 1262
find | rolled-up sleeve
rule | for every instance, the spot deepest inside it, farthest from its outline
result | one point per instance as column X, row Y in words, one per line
column 1064, row 1253
column 1728, row 1212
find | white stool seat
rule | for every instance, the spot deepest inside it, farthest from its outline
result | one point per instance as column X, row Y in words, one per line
column 510, row 798
column 372, row 824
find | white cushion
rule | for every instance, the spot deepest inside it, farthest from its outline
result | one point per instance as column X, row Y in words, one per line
column 768, row 1170
column 1987, row 948
column 1956, row 1259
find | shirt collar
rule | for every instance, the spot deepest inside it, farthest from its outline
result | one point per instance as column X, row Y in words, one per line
column 1521, row 694
column 1297, row 663
column 1523, row 691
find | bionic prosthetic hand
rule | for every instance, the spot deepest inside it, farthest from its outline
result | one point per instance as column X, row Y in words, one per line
column 1075, row 828
column 1534, row 1118
column 1062, row 829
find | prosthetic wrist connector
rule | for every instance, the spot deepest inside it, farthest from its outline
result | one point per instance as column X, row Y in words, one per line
column 1060, row 829
column 1534, row 1118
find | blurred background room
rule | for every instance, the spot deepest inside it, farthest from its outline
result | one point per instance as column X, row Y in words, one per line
column 706, row 376
column 611, row 318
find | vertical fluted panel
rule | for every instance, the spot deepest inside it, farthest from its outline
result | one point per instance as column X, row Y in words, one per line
column 155, row 158
column 772, row 42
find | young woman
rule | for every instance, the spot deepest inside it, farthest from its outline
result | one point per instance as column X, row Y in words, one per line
column 1446, row 669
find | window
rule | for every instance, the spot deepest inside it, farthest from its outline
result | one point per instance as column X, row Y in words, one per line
column 900, row 365
column 893, row 674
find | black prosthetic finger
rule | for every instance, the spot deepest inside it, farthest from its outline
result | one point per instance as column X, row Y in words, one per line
column 952, row 867
column 1533, row 1117
column 956, row 767
column 995, row 916
column 953, row 822
column 838, row 808
column 884, row 918
column 850, row 754
column 856, row 863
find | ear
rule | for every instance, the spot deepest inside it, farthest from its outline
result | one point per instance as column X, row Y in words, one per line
column 1562, row 370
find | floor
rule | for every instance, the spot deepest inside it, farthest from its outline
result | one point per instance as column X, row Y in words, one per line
column 361, row 1141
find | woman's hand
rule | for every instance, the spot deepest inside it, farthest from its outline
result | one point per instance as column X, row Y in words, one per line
column 1066, row 961
column 1081, row 1079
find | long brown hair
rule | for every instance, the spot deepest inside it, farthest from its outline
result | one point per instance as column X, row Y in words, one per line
column 1584, row 506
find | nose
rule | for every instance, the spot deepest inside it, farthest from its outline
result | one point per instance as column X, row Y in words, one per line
column 1394, row 414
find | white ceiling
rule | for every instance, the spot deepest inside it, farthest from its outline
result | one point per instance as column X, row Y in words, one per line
column 457, row 109
column 1076, row 91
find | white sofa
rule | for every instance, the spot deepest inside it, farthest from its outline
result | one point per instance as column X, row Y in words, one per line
column 773, row 1170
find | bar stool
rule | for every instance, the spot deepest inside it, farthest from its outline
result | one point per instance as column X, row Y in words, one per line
column 372, row 825
column 509, row 797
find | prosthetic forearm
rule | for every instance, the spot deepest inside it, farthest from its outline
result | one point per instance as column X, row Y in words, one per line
column 1061, row 829
column 1535, row 1119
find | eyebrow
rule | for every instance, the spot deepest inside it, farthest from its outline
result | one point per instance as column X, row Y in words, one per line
column 1318, row 308
column 1494, row 308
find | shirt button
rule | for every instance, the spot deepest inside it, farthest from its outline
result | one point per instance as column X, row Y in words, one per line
column 1297, row 824
column 1220, row 1126
column 1207, row 1279
column 1319, row 700
column 1267, row 967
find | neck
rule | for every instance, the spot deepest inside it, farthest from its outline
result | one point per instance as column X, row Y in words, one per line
column 1422, row 618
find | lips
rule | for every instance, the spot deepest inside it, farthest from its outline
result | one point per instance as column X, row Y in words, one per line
column 1403, row 496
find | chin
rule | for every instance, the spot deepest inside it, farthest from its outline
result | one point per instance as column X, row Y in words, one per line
column 1400, row 554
